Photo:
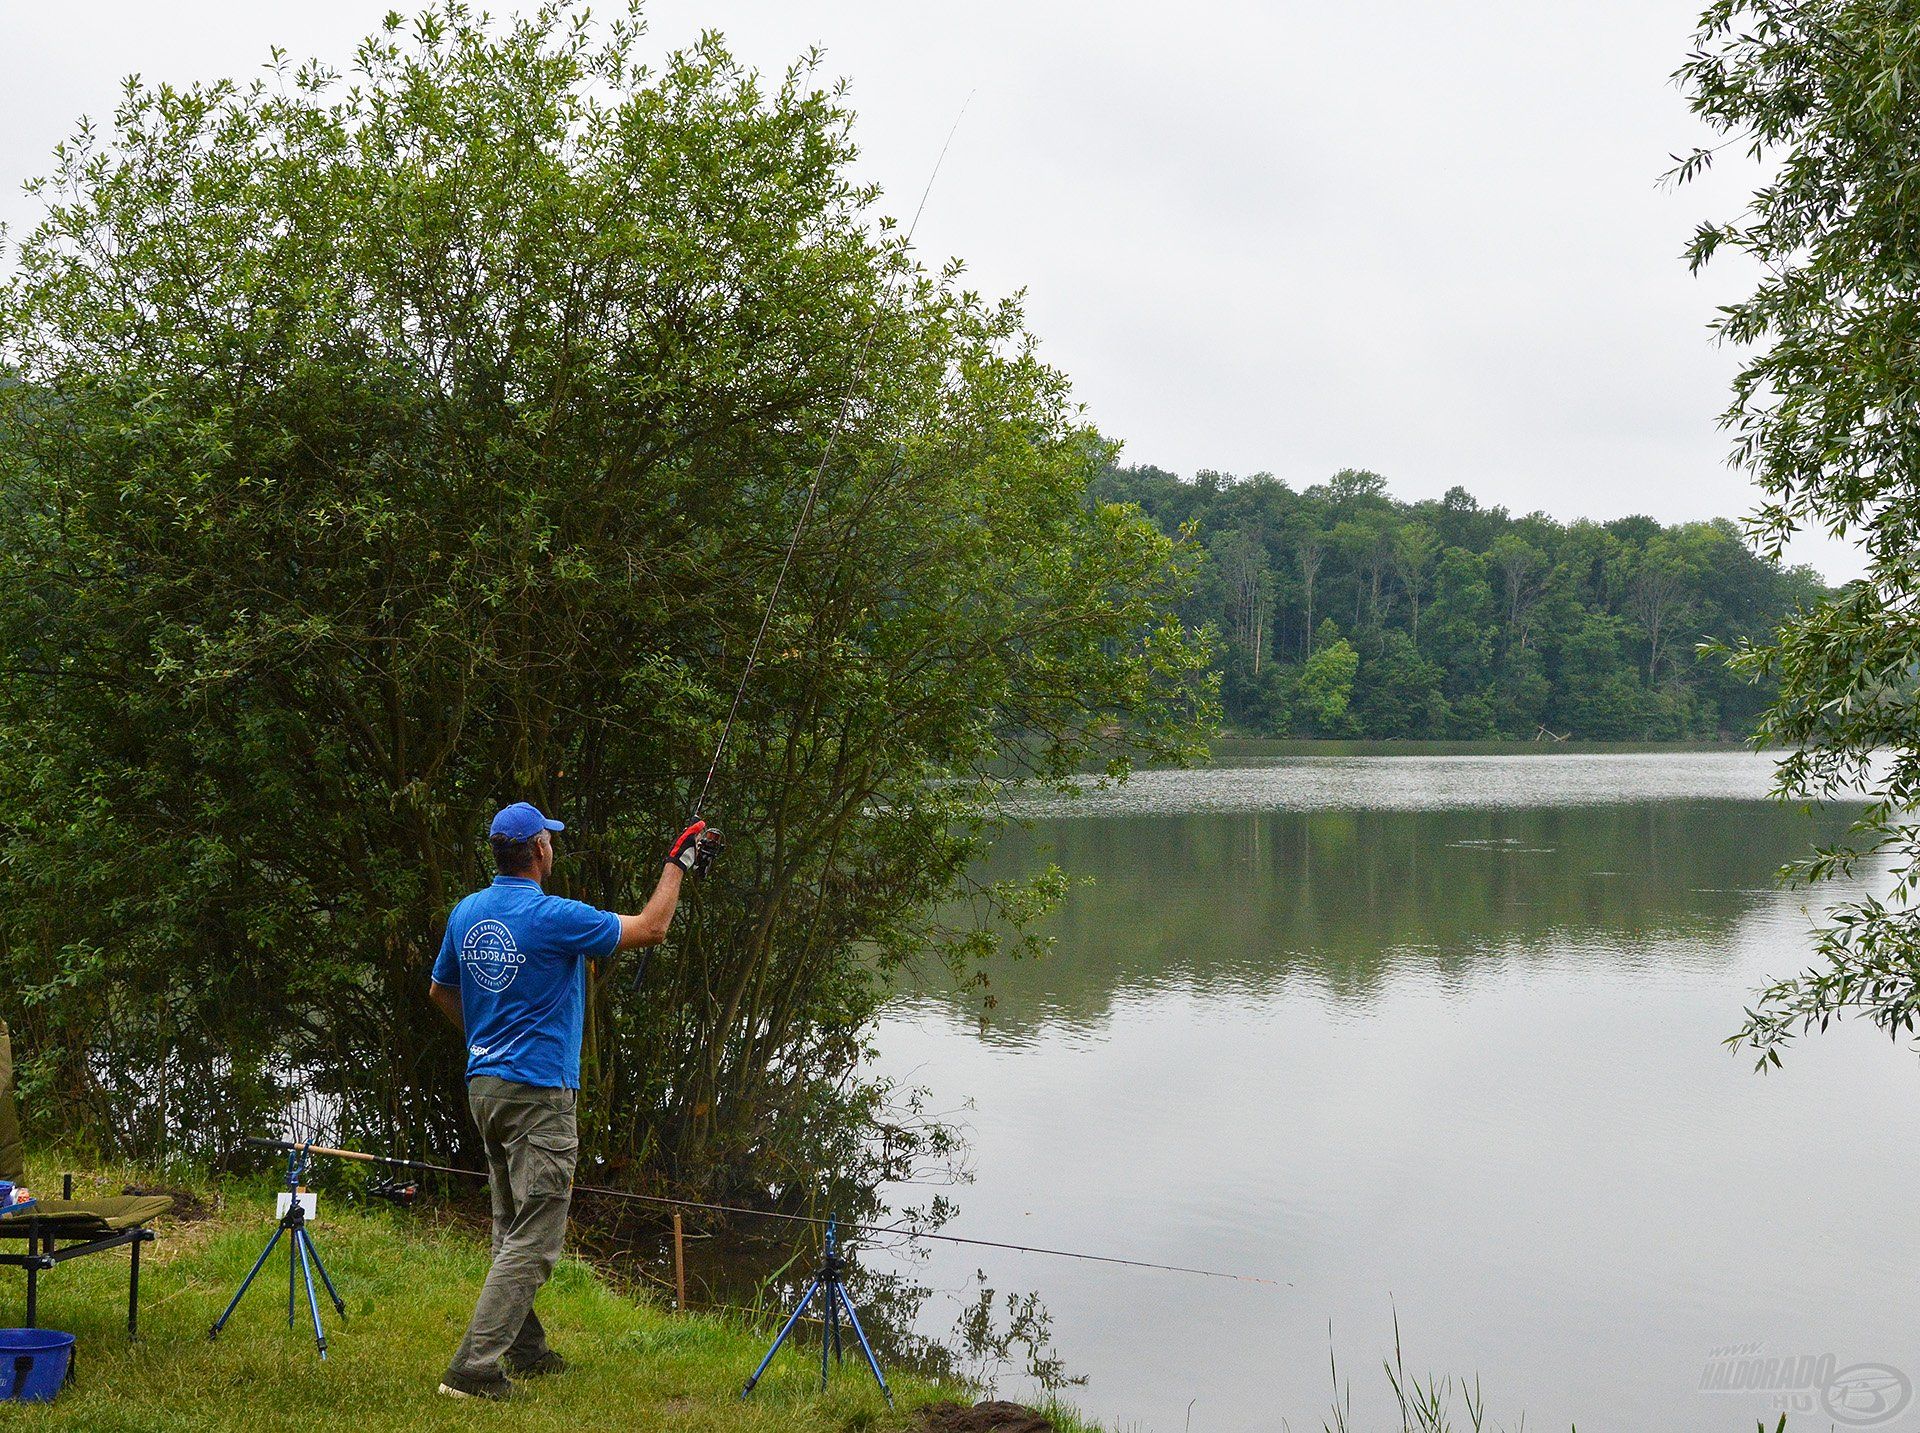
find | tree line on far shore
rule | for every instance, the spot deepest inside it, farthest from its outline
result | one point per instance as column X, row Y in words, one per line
column 1343, row 612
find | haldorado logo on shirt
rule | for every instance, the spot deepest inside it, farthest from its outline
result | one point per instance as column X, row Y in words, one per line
column 490, row 956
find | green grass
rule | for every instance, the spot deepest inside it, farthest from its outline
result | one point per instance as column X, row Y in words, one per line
column 409, row 1281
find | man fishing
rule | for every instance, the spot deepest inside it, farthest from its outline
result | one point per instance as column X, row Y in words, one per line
column 511, row 975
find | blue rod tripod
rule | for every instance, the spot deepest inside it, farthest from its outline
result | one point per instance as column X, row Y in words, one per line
column 828, row 1283
column 303, row 1257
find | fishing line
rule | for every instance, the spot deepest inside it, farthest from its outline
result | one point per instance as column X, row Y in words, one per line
column 882, row 1230
column 820, row 472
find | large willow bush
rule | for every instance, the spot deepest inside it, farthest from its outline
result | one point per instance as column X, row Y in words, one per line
column 380, row 446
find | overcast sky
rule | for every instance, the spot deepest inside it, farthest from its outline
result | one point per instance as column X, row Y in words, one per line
column 1280, row 235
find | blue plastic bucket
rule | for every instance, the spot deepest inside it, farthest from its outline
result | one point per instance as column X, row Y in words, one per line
column 34, row 1363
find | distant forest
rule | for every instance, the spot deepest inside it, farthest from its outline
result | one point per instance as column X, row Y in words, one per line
column 1344, row 613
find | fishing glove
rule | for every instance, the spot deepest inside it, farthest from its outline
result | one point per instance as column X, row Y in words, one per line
column 696, row 848
column 685, row 852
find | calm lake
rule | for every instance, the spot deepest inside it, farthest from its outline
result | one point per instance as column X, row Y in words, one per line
column 1441, row 1035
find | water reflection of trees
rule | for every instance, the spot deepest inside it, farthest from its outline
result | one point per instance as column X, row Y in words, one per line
column 1341, row 898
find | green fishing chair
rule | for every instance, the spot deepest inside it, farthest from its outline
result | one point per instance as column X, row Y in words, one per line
column 56, row 1230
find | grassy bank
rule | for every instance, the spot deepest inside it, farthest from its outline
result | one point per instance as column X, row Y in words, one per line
column 409, row 1279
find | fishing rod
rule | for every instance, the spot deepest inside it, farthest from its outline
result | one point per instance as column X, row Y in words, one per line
column 813, row 489
column 882, row 1230
column 806, row 512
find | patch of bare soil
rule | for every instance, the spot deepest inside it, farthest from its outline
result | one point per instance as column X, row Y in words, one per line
column 188, row 1207
column 995, row 1416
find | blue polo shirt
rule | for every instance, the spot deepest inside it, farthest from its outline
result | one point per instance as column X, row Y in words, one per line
column 519, row 957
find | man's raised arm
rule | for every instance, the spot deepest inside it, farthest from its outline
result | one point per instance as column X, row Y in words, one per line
column 650, row 926
column 693, row 852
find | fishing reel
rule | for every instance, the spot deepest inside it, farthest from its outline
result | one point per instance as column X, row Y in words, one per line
column 402, row 1192
column 707, row 846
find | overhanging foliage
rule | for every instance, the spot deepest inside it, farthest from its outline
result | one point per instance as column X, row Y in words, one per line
column 1825, row 415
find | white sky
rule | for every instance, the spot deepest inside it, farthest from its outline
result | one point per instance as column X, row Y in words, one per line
column 1290, row 236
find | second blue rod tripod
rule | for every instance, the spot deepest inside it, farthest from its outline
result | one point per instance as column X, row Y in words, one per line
column 829, row 1282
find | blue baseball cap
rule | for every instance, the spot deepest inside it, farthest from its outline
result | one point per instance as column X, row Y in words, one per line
column 522, row 821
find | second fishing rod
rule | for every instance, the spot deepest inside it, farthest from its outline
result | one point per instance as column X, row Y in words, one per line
column 668, row 1202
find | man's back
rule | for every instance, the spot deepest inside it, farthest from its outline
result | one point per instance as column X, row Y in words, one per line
column 518, row 956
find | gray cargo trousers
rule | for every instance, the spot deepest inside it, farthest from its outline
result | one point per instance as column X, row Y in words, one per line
column 532, row 1142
